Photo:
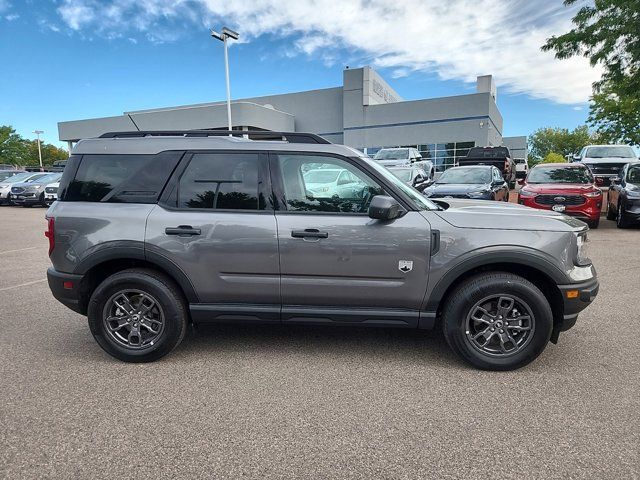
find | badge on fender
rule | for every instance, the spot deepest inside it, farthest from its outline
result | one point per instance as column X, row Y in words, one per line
column 405, row 265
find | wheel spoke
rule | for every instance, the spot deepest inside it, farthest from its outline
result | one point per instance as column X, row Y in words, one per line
column 480, row 318
column 123, row 303
column 121, row 322
column 506, row 338
column 146, row 304
column 505, row 305
column 486, row 334
column 134, row 338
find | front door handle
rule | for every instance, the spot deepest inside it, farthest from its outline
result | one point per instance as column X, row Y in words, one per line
column 309, row 233
column 182, row 230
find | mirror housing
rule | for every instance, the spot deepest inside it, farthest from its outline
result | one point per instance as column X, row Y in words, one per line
column 614, row 181
column 383, row 207
column 521, row 181
column 576, row 158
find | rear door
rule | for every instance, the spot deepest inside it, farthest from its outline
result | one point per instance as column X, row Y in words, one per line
column 337, row 264
column 216, row 223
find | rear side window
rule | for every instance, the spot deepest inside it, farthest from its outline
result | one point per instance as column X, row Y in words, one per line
column 223, row 181
column 121, row 178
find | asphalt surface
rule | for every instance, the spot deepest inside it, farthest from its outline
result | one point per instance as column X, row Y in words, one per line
column 272, row 402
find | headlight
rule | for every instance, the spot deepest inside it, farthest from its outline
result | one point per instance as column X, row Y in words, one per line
column 633, row 193
column 593, row 194
column 582, row 258
column 480, row 193
column 527, row 193
column 38, row 187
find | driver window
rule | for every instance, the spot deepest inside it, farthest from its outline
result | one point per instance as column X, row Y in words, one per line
column 314, row 183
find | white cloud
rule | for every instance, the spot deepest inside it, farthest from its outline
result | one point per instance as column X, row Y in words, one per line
column 455, row 39
column 11, row 17
column 5, row 6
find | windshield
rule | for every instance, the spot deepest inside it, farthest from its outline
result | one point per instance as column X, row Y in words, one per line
column 465, row 176
column 49, row 178
column 8, row 174
column 321, row 176
column 616, row 151
column 403, row 174
column 560, row 175
column 21, row 177
column 633, row 175
column 392, row 154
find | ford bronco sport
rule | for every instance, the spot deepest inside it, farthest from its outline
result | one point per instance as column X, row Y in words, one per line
column 156, row 230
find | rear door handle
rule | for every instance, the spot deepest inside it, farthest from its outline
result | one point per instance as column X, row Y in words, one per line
column 182, row 230
column 309, row 233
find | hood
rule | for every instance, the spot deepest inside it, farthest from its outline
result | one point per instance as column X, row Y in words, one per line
column 560, row 188
column 456, row 189
column 464, row 213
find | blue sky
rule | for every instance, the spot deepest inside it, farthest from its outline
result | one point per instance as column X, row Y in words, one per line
column 72, row 59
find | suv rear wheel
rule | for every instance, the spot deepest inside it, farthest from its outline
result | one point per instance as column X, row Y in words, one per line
column 497, row 321
column 137, row 315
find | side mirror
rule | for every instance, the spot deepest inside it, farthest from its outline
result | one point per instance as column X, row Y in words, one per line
column 383, row 207
column 614, row 181
column 418, row 179
column 576, row 158
column 521, row 181
column 600, row 181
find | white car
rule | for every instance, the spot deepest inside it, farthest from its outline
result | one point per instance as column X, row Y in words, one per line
column 605, row 161
column 328, row 182
column 522, row 167
column 5, row 185
column 395, row 157
column 51, row 193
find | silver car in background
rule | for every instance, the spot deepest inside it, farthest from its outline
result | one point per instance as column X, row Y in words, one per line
column 7, row 183
column 31, row 192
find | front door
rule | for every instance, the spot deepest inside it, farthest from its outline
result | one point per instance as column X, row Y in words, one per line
column 217, row 225
column 337, row 264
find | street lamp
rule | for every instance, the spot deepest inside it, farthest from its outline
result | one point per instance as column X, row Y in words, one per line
column 38, row 132
column 223, row 37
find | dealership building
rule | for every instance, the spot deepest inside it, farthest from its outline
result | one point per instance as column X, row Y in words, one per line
column 365, row 113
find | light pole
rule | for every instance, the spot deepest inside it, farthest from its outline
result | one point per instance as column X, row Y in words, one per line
column 38, row 132
column 223, row 37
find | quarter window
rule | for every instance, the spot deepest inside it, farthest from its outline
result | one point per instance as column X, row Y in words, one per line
column 325, row 184
column 222, row 181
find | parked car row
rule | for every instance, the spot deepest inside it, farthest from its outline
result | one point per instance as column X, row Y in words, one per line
column 28, row 188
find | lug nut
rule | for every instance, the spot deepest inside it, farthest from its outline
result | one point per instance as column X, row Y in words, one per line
column 493, row 329
column 501, row 331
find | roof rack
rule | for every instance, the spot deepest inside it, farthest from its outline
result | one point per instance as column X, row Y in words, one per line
column 291, row 137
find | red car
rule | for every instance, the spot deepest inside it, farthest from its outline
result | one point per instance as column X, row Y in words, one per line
column 568, row 188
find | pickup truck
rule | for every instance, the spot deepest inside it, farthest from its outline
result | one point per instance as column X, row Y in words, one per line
column 499, row 157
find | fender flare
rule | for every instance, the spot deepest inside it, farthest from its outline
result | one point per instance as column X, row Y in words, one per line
column 494, row 256
column 135, row 250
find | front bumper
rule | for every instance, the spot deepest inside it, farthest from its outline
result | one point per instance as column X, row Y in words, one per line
column 65, row 287
column 576, row 297
column 588, row 211
column 28, row 198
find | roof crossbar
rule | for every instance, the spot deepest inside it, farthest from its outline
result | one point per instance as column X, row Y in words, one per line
column 291, row 137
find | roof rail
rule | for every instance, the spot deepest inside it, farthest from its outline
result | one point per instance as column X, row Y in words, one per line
column 291, row 137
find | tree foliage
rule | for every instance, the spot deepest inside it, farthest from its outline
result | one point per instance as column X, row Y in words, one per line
column 607, row 32
column 20, row 151
column 561, row 141
column 553, row 157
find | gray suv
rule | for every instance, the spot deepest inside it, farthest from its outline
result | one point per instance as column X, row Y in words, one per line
column 156, row 230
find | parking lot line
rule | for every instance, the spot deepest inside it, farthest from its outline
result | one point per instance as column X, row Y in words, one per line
column 23, row 285
column 19, row 250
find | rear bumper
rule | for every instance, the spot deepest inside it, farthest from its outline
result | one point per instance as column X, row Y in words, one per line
column 65, row 287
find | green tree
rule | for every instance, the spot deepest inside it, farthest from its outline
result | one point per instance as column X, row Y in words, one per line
column 607, row 32
column 553, row 157
column 560, row 140
column 16, row 150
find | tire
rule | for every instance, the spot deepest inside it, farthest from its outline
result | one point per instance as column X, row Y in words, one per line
column 466, row 300
column 593, row 224
column 169, row 314
column 42, row 201
column 621, row 221
column 611, row 213
column 26, row 205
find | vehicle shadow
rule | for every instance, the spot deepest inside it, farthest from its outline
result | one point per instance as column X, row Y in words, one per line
column 346, row 342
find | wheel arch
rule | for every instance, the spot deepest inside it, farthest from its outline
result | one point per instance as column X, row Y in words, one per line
column 97, row 268
column 539, row 271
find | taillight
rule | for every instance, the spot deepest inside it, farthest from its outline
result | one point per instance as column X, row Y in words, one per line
column 50, row 233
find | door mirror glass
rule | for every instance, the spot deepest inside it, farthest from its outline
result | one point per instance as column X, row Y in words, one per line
column 383, row 207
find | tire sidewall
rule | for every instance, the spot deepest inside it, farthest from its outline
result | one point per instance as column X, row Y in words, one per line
column 174, row 316
column 457, row 311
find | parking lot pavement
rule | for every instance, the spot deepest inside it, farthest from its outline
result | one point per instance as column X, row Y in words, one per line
column 248, row 401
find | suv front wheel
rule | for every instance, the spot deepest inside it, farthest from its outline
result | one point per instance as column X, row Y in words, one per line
column 137, row 315
column 497, row 321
